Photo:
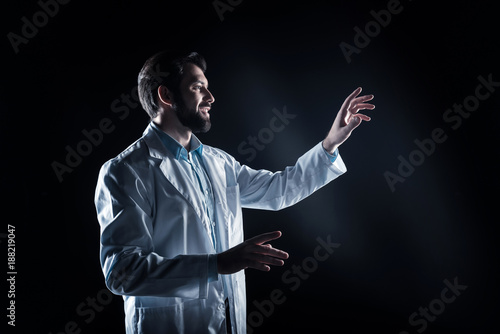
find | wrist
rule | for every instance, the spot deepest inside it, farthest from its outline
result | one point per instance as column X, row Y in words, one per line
column 329, row 146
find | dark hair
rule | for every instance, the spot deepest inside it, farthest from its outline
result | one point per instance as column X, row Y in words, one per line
column 164, row 68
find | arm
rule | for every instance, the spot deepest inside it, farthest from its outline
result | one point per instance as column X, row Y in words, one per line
column 263, row 189
column 273, row 191
column 128, row 259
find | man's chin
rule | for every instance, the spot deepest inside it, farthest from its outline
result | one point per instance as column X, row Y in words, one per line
column 194, row 121
column 202, row 129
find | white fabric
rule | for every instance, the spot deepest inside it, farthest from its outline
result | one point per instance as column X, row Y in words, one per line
column 154, row 247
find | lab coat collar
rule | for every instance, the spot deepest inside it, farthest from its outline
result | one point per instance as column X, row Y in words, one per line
column 156, row 148
column 175, row 147
column 213, row 163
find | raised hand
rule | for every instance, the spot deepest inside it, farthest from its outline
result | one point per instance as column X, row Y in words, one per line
column 347, row 119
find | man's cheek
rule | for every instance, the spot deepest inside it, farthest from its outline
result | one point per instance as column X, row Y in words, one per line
column 191, row 101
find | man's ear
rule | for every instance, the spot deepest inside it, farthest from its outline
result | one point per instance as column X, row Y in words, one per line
column 165, row 95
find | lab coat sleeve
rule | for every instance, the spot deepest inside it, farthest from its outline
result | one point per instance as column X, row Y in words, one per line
column 262, row 189
column 128, row 259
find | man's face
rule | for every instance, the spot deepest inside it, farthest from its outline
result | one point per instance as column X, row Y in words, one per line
column 193, row 107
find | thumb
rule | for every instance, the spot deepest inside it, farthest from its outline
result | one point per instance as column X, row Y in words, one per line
column 354, row 123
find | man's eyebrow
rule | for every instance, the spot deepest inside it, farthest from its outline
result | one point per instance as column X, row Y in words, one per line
column 199, row 82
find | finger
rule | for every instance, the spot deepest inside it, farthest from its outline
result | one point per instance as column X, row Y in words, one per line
column 363, row 117
column 270, row 251
column 354, row 109
column 259, row 266
column 355, row 93
column 363, row 98
column 259, row 258
column 353, row 124
column 268, row 260
column 351, row 96
column 250, row 263
column 265, row 237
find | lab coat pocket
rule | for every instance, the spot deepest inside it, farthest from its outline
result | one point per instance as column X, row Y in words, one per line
column 170, row 319
column 233, row 216
column 233, row 208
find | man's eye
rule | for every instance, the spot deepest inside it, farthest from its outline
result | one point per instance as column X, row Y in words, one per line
column 197, row 87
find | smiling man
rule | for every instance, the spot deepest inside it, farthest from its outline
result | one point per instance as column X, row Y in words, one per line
column 169, row 207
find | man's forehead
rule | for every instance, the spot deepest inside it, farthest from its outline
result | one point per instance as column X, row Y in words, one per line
column 193, row 73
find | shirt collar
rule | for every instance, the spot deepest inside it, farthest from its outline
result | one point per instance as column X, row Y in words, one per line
column 175, row 147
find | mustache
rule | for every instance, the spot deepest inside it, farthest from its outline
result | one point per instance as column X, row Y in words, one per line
column 203, row 105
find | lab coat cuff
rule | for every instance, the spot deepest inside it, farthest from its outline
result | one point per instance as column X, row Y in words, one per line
column 213, row 275
column 336, row 164
column 333, row 156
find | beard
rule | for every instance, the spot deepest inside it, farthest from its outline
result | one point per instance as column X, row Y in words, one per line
column 192, row 118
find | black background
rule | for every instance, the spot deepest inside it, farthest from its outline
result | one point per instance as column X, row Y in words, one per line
column 396, row 248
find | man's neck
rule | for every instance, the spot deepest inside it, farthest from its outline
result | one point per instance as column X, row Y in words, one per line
column 176, row 131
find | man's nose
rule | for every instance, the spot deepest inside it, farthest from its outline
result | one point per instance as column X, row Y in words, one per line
column 209, row 97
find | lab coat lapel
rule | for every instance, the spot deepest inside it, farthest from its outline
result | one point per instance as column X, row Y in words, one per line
column 172, row 170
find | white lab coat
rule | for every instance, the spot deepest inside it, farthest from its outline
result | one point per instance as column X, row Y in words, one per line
column 154, row 242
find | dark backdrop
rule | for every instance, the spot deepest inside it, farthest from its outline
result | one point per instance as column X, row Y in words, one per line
column 396, row 249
